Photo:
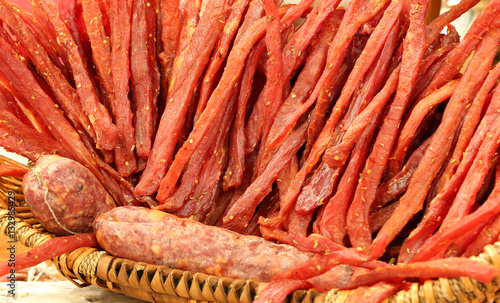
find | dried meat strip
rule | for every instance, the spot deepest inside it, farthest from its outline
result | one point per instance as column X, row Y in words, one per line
column 277, row 291
column 48, row 250
column 444, row 268
column 70, row 12
column 190, row 19
column 293, row 53
column 439, row 205
column 382, row 97
column 203, row 200
column 311, row 70
column 374, row 294
column 234, row 173
column 442, row 240
column 121, row 28
column 171, row 20
column 276, row 81
column 335, row 216
column 203, row 169
column 462, row 51
column 100, row 44
column 9, row 103
column 436, row 26
column 474, row 180
column 398, row 183
column 46, row 41
column 321, row 263
column 488, row 235
column 471, row 120
column 220, row 53
column 338, row 47
column 145, row 76
column 308, row 199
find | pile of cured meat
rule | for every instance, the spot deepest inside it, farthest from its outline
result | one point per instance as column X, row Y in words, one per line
column 341, row 131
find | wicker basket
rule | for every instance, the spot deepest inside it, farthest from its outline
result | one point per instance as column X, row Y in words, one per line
column 153, row 283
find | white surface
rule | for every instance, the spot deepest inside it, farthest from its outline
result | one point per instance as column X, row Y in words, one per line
column 13, row 156
column 61, row 292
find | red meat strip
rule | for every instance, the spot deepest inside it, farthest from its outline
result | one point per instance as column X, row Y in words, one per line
column 120, row 67
column 444, row 268
column 145, row 76
column 48, row 250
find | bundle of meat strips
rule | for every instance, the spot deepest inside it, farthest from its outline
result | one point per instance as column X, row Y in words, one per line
column 308, row 145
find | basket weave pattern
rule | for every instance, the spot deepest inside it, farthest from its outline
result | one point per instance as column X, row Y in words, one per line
column 154, row 283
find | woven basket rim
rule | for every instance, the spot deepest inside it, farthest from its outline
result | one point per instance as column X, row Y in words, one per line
column 156, row 283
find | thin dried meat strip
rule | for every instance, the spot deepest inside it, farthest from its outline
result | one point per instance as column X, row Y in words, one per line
column 190, row 19
column 52, row 248
column 121, row 28
column 338, row 47
column 234, row 173
column 468, row 43
column 444, row 268
column 293, row 53
column 204, row 198
column 488, row 235
column 397, row 184
column 9, row 103
column 440, row 241
column 203, row 170
column 100, row 44
column 321, row 263
column 311, row 70
column 46, row 41
column 439, row 205
column 276, row 80
column 374, row 293
column 334, row 221
column 145, row 76
column 171, row 20
column 220, row 53
column 277, row 291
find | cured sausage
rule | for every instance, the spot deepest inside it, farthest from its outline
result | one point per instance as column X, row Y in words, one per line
column 156, row 237
column 58, row 189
